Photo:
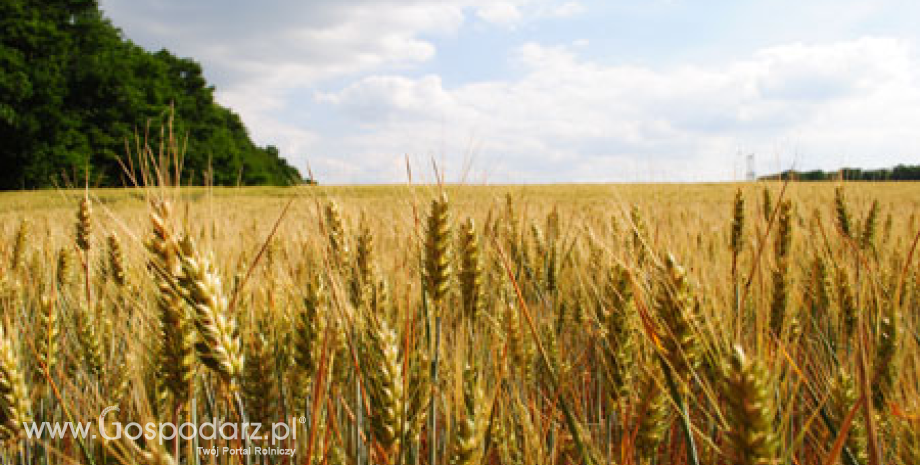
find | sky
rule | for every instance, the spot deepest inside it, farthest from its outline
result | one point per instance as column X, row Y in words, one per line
column 539, row 91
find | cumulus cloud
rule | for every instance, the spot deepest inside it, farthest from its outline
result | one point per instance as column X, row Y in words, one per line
column 259, row 54
column 344, row 84
column 568, row 9
column 571, row 119
column 309, row 40
column 379, row 98
column 500, row 13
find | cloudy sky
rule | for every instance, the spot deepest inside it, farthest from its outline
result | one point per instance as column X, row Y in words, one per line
column 555, row 90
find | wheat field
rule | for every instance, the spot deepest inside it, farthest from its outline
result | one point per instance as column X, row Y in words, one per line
column 749, row 324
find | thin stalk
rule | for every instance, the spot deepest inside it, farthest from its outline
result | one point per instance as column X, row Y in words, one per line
column 239, row 405
column 571, row 423
column 692, row 456
column 433, row 404
column 194, row 414
column 359, row 423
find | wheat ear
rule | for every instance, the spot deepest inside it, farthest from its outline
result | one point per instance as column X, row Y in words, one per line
column 218, row 343
column 14, row 396
column 750, row 412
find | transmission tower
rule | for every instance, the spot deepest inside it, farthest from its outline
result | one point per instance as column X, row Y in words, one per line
column 751, row 175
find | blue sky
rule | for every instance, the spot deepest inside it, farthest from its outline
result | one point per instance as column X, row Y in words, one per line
column 555, row 90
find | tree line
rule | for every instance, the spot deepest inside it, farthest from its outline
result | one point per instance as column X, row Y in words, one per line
column 74, row 90
column 898, row 173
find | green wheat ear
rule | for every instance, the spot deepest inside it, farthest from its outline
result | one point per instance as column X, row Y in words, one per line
column 846, row 303
column 466, row 444
column 470, row 271
column 749, row 411
column 885, row 369
column 655, row 420
column 843, row 212
column 86, row 322
column 259, row 383
column 437, row 252
column 46, row 346
column 736, row 240
column 737, row 234
column 616, row 322
column 116, row 260
column 870, row 226
column 177, row 344
column 64, row 268
column 309, row 326
column 639, row 234
column 782, row 249
column 20, row 242
column 84, row 224
column 385, row 385
column 679, row 310
column 364, row 252
column 817, row 296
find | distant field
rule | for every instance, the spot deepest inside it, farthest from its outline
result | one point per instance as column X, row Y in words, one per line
column 564, row 324
column 899, row 198
column 677, row 211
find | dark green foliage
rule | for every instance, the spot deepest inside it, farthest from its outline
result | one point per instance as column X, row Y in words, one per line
column 898, row 173
column 73, row 90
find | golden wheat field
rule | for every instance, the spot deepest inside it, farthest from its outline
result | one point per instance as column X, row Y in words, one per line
column 749, row 324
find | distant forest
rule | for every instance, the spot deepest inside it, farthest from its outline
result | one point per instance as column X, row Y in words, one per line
column 73, row 89
column 898, row 173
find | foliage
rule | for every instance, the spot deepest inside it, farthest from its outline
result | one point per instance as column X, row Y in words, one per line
column 898, row 173
column 74, row 90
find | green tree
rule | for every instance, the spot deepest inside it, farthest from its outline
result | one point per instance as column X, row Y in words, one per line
column 73, row 90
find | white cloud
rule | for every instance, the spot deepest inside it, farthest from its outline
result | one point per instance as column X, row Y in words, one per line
column 511, row 13
column 562, row 117
column 568, row 9
column 325, row 38
column 569, row 119
column 382, row 97
column 504, row 13
column 283, row 40
column 259, row 54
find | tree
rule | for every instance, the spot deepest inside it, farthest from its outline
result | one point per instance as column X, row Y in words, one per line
column 898, row 173
column 73, row 90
